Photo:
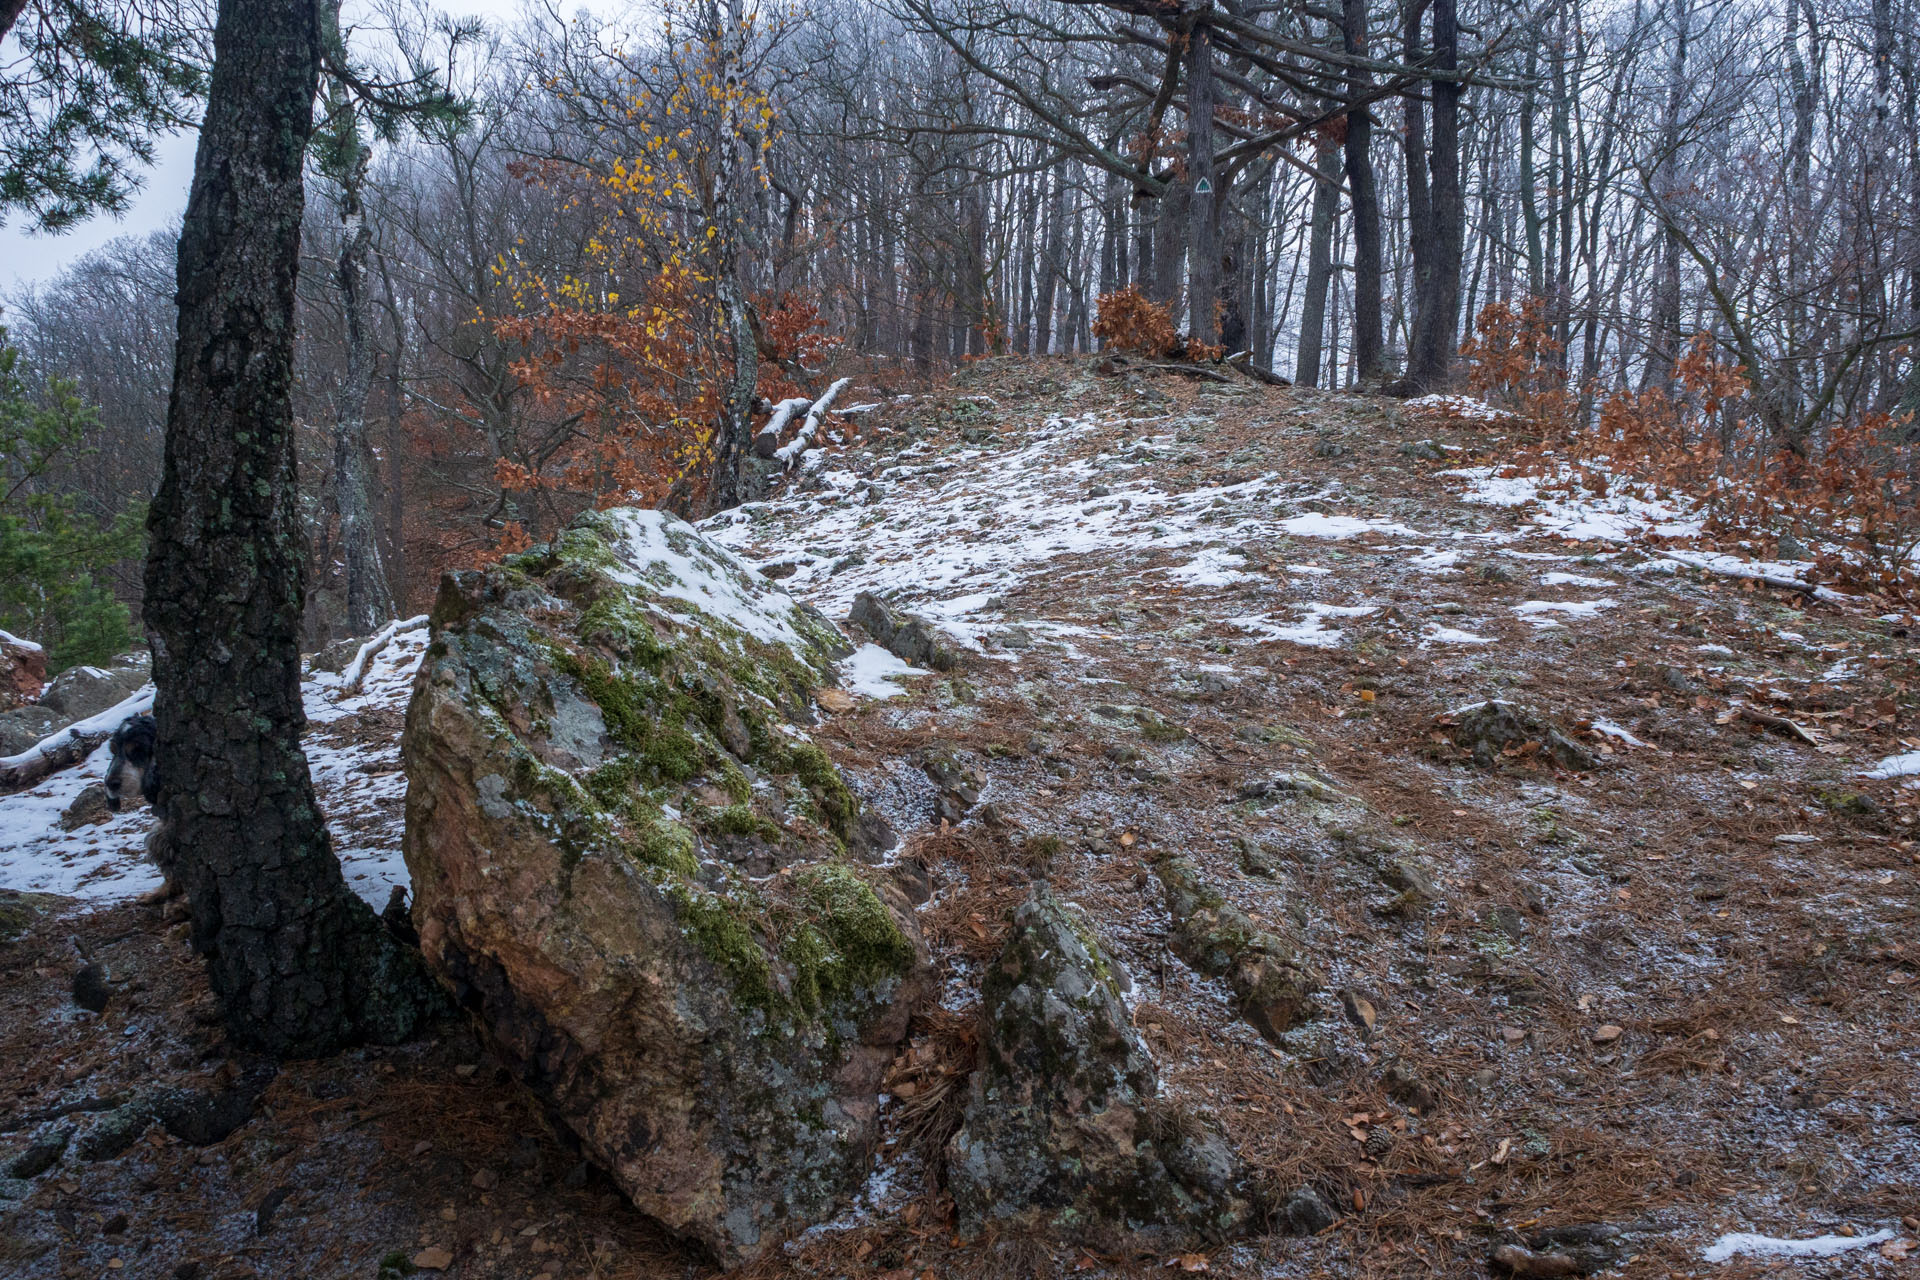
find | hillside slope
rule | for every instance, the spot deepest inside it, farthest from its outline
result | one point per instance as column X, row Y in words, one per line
column 1636, row 951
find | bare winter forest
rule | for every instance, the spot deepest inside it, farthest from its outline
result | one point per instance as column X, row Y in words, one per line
column 961, row 638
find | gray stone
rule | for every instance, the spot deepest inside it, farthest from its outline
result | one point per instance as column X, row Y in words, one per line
column 79, row 692
column 1306, row 1213
column 42, row 1152
column 89, row 808
column 957, row 784
column 715, row 1040
column 908, row 637
column 1063, row 1132
column 1273, row 987
column 24, row 726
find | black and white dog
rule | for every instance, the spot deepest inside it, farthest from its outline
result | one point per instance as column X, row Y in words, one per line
column 131, row 772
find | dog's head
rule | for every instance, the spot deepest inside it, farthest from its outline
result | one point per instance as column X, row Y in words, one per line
column 131, row 772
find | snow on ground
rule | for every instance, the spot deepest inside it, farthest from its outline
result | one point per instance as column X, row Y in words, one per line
column 949, row 534
column 357, row 778
column 1464, row 407
column 1617, row 517
column 1740, row 1242
column 1533, row 610
column 873, row 672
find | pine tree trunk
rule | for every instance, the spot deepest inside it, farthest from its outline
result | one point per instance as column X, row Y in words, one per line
column 300, row 965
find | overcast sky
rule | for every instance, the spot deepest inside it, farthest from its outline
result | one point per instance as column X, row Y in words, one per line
column 28, row 259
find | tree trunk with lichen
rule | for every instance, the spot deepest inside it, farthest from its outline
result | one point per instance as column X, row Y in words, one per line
column 301, row 966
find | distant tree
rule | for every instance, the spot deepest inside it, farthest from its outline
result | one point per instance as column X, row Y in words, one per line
column 300, row 965
column 91, row 84
column 53, row 558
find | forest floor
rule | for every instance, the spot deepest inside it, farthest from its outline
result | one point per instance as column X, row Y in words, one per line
column 1676, row 994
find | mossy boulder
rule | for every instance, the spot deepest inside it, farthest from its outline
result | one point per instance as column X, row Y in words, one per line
column 1064, row 1132
column 631, row 866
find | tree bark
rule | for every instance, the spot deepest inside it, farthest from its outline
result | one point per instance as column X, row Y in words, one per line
column 300, row 965
column 1367, row 306
column 1313, row 308
column 1203, row 229
column 1437, row 302
column 368, row 599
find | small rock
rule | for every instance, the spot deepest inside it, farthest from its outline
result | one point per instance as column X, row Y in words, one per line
column 1506, row 920
column 1492, row 571
column 114, row 1132
column 1425, row 450
column 91, row 990
column 42, row 1153
column 1329, row 449
column 1306, row 1214
column 1100, row 491
column 780, row 569
column 486, row 1179
column 89, row 808
column 958, row 783
column 1791, row 548
column 1607, row 1034
column 913, row 879
column 433, row 1259
column 1405, row 1087
column 1489, row 729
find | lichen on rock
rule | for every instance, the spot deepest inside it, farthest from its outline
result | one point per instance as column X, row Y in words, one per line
column 631, row 867
column 1064, row 1132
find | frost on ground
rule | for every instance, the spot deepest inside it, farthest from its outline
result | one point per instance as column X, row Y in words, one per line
column 1671, row 995
column 1740, row 1242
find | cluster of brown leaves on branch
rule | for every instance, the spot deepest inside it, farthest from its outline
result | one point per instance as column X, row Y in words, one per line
column 1127, row 320
column 640, row 388
column 1851, row 496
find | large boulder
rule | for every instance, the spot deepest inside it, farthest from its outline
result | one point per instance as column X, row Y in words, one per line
column 1064, row 1131
column 632, row 869
column 79, row 692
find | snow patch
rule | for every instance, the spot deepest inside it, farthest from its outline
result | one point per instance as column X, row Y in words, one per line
column 872, row 671
column 1739, row 1242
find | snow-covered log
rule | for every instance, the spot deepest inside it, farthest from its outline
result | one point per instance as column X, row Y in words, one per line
column 356, row 673
column 790, row 453
column 768, row 437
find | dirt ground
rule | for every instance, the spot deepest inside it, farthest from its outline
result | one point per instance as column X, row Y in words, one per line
column 1676, row 993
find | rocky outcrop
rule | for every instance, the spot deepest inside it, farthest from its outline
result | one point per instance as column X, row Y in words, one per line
column 1489, row 730
column 632, row 869
column 1272, row 987
column 79, row 692
column 907, row 636
column 23, row 670
column 1063, row 1131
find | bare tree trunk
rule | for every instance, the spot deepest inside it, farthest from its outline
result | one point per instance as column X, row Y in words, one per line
column 1437, row 261
column 1313, row 308
column 300, row 965
column 1367, row 306
column 369, row 601
column 1203, row 228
